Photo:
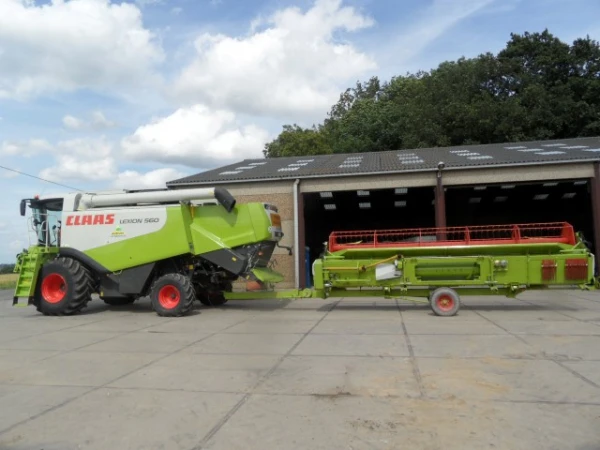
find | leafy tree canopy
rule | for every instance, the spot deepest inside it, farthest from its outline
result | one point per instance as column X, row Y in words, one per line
column 537, row 87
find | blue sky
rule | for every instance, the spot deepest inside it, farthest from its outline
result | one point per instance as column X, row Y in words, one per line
column 100, row 94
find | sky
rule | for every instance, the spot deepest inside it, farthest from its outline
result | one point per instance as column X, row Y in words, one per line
column 103, row 94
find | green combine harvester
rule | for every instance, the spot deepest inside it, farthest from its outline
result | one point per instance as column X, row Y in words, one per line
column 179, row 246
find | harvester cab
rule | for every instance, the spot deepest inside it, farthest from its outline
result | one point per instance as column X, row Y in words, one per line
column 45, row 220
column 174, row 246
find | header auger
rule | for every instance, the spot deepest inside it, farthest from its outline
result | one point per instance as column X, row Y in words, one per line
column 441, row 264
column 178, row 246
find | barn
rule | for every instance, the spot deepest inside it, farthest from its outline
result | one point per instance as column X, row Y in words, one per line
column 524, row 182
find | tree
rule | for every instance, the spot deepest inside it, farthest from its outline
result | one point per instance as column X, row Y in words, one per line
column 6, row 268
column 537, row 87
column 297, row 141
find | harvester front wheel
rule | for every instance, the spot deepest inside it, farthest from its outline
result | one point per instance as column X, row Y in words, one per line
column 64, row 287
column 172, row 295
column 444, row 302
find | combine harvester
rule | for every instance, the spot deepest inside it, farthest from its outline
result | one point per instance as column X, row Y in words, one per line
column 184, row 245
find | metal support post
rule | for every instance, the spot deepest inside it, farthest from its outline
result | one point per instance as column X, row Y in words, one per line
column 596, row 210
column 440, row 202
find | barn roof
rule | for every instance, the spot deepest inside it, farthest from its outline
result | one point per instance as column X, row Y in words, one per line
column 401, row 161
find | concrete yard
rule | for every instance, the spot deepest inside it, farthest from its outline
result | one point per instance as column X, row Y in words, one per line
column 305, row 374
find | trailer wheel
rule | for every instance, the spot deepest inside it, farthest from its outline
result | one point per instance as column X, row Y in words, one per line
column 64, row 287
column 172, row 295
column 444, row 302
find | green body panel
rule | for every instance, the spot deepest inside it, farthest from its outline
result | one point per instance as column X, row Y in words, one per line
column 28, row 267
column 188, row 230
column 289, row 293
column 267, row 275
column 171, row 240
column 457, row 250
column 452, row 267
column 213, row 228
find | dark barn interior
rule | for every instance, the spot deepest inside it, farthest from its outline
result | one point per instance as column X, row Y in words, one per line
column 325, row 212
column 551, row 201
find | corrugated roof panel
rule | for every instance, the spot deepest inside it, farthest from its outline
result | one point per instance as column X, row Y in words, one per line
column 398, row 161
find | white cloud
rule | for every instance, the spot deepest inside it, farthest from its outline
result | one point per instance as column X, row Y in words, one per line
column 131, row 179
column 24, row 148
column 81, row 160
column 196, row 136
column 72, row 123
column 293, row 66
column 85, row 147
column 433, row 22
column 66, row 45
column 97, row 122
column 69, row 167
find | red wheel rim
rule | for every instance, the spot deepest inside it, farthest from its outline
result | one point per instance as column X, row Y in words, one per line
column 168, row 296
column 54, row 288
column 445, row 303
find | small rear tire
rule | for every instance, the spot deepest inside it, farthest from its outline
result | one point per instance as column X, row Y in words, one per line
column 64, row 287
column 444, row 302
column 172, row 295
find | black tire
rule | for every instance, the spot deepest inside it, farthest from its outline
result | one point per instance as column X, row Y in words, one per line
column 172, row 295
column 212, row 298
column 64, row 287
column 118, row 301
column 444, row 302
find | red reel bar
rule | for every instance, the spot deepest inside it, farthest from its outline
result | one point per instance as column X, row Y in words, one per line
column 555, row 232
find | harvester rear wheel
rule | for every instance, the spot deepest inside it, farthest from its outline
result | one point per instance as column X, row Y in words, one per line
column 172, row 295
column 444, row 302
column 64, row 287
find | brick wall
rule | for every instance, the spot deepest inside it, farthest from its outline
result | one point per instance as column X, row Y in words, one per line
column 285, row 204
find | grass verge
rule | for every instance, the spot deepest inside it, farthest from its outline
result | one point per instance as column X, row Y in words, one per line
column 8, row 280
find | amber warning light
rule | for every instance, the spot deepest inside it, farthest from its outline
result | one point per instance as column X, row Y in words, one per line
column 276, row 220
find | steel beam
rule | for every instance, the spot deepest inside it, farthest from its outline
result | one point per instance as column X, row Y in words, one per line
column 301, row 241
column 440, row 205
column 596, row 209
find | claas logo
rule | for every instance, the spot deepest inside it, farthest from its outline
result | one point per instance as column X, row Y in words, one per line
column 91, row 219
